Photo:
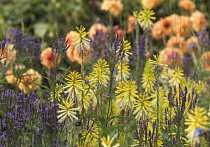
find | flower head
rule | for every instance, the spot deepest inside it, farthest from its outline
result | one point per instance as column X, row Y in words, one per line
column 126, row 50
column 75, row 56
column 172, row 57
column 107, row 142
column 148, row 77
column 30, row 81
column 151, row 3
column 96, row 28
column 178, row 42
column 197, row 119
column 50, row 58
column 178, row 77
column 187, row 5
column 144, row 18
column 198, row 20
column 8, row 54
column 206, row 60
column 56, row 94
column 126, row 94
column 142, row 107
column 131, row 24
column 74, row 85
column 80, row 40
column 13, row 74
column 90, row 134
column 100, row 73
column 123, row 71
column 67, row 110
column 70, row 37
column 113, row 6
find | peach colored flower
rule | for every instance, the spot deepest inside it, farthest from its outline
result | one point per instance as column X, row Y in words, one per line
column 29, row 81
column 198, row 20
column 182, row 26
column 178, row 42
column 113, row 6
column 49, row 58
column 70, row 37
column 8, row 54
column 95, row 28
column 192, row 44
column 172, row 57
column 166, row 26
column 206, row 60
column 119, row 32
column 151, row 3
column 131, row 24
column 187, row 5
column 10, row 77
column 75, row 56
column 157, row 30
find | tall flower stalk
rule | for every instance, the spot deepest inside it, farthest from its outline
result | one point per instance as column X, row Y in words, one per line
column 157, row 66
column 81, row 44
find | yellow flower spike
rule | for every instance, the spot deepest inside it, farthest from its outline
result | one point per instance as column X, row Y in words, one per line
column 74, row 85
column 157, row 62
column 142, row 107
column 67, row 111
column 177, row 78
column 107, row 142
column 144, row 18
column 123, row 71
column 100, row 74
column 57, row 93
column 197, row 119
column 90, row 134
column 80, row 41
column 126, row 94
column 148, row 77
column 126, row 50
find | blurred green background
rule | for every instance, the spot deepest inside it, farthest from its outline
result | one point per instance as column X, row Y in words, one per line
column 49, row 19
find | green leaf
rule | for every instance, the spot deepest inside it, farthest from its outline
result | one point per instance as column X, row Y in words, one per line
column 121, row 117
column 23, row 57
column 113, row 97
column 5, row 68
column 45, row 87
column 99, row 90
column 1, row 113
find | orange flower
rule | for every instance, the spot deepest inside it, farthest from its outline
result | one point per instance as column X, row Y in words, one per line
column 75, row 56
column 8, row 54
column 171, row 56
column 49, row 58
column 131, row 24
column 95, row 28
column 119, row 32
column 182, row 26
column 10, row 77
column 187, row 5
column 198, row 20
column 70, row 37
column 30, row 80
column 151, row 3
column 206, row 60
column 113, row 6
column 157, row 30
column 192, row 44
column 178, row 42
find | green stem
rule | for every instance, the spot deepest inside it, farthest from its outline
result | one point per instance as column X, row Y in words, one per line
column 83, row 78
column 158, row 105
column 137, row 53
